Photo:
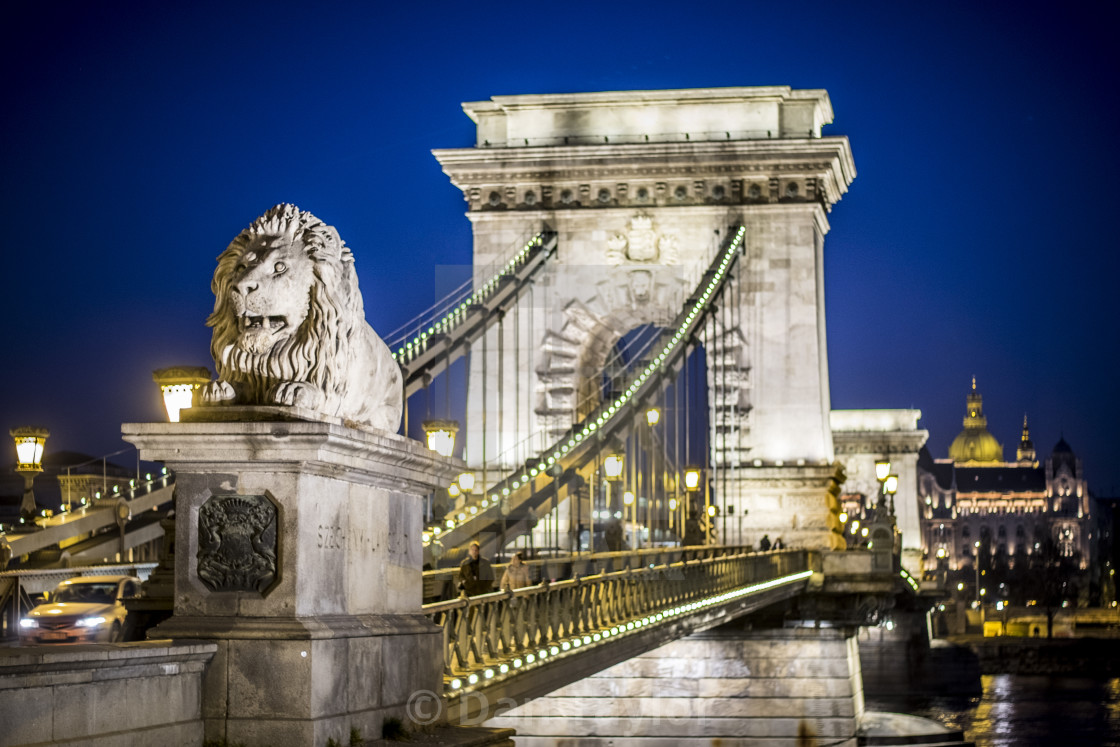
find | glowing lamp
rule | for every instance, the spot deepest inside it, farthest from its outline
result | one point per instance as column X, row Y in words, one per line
column 692, row 479
column 30, row 442
column 882, row 469
column 466, row 482
column 672, row 504
column 612, row 466
column 891, row 484
column 441, row 436
column 653, row 415
column 178, row 385
column 627, row 497
column 711, row 510
column 843, row 517
column 453, row 490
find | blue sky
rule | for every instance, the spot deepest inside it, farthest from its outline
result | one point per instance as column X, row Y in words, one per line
column 978, row 237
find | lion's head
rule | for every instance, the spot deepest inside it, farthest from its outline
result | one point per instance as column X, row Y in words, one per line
column 286, row 304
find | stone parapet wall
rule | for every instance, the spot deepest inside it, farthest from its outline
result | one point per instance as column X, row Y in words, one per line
column 101, row 695
column 738, row 687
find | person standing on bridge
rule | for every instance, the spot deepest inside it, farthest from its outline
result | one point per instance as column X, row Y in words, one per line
column 516, row 575
column 764, row 543
column 475, row 574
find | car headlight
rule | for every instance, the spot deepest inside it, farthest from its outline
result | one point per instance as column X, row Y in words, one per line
column 90, row 622
column 27, row 622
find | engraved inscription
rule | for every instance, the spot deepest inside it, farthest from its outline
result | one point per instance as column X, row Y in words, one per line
column 331, row 537
column 237, row 543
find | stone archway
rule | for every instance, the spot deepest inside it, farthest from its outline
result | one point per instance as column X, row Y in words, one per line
column 576, row 350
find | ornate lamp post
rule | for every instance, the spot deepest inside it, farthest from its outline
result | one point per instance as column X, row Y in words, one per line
column 441, row 436
column 613, row 465
column 882, row 470
column 631, row 509
column 890, row 487
column 178, row 384
column 29, row 462
column 691, row 485
column 649, row 487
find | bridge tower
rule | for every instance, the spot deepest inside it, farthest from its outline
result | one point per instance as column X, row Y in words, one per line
column 641, row 188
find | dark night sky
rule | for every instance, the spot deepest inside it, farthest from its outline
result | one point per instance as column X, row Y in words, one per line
column 978, row 237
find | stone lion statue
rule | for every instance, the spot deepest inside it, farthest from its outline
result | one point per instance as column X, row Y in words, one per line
column 290, row 328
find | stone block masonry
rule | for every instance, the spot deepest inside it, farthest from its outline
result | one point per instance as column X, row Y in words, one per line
column 323, row 632
column 748, row 688
column 102, row 695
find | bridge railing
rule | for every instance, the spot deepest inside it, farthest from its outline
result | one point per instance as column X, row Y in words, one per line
column 442, row 583
column 492, row 634
column 99, row 515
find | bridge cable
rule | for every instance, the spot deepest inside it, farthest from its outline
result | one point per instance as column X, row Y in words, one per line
column 609, row 416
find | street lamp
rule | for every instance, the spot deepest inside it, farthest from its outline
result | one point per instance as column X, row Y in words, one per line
column 612, row 466
column 628, row 500
column 979, row 592
column 29, row 462
column 890, row 487
column 441, row 436
column 692, row 479
column 882, row 469
column 466, row 482
column 692, row 485
column 652, row 416
column 178, row 384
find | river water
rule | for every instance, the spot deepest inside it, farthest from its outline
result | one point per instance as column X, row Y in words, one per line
column 1024, row 711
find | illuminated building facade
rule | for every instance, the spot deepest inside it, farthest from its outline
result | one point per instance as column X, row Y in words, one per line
column 974, row 501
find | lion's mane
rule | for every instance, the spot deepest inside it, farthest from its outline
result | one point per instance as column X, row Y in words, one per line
column 319, row 350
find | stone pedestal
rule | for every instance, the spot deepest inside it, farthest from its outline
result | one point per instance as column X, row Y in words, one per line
column 797, row 504
column 298, row 552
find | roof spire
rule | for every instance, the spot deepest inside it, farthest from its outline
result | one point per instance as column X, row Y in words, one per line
column 1025, row 452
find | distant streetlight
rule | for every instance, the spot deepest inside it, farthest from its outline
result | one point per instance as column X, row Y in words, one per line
column 178, row 384
column 692, row 479
column 652, row 416
column 612, row 466
column 30, row 442
column 441, row 436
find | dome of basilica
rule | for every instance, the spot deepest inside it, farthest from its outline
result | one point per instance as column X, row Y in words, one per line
column 975, row 443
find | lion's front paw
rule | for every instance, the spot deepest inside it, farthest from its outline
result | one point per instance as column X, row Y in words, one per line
column 217, row 392
column 298, row 394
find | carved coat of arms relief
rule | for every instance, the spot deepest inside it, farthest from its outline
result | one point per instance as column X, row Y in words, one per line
column 642, row 244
